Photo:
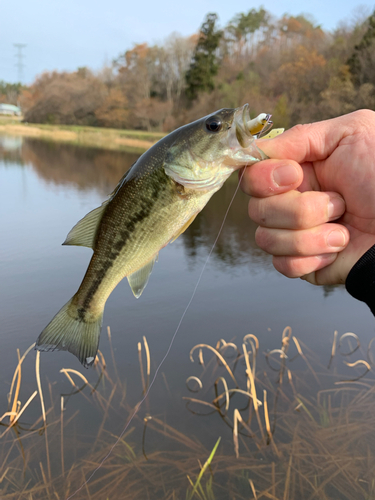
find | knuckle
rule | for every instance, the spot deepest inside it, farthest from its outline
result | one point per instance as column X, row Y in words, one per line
column 309, row 211
column 294, row 266
column 361, row 121
column 298, row 244
column 256, row 211
column 286, row 266
column 262, row 239
column 301, row 212
column 363, row 115
column 301, row 128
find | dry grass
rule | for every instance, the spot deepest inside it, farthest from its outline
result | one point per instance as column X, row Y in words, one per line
column 115, row 139
column 296, row 443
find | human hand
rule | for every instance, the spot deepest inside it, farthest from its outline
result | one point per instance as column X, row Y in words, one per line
column 325, row 172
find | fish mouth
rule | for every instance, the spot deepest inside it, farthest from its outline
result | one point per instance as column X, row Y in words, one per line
column 240, row 124
column 241, row 142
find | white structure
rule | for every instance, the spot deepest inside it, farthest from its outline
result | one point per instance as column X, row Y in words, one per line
column 10, row 109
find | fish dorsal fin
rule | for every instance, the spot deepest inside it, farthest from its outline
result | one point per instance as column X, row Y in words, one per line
column 183, row 229
column 139, row 279
column 84, row 232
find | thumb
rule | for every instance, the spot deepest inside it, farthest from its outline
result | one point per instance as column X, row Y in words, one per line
column 310, row 142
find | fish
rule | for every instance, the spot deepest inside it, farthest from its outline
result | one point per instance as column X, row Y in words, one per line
column 153, row 204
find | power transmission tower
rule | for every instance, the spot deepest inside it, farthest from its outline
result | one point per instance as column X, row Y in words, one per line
column 20, row 64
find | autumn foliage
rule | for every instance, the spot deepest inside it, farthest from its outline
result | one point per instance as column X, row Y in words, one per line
column 286, row 66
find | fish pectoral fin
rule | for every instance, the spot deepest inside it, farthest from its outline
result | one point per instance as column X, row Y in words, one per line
column 183, row 229
column 84, row 232
column 139, row 279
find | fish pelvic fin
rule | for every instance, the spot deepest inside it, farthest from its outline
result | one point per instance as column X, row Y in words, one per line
column 139, row 279
column 67, row 333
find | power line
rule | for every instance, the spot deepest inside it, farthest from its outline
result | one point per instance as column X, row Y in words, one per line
column 20, row 57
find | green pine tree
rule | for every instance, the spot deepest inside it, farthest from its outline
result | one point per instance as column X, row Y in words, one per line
column 204, row 65
column 361, row 62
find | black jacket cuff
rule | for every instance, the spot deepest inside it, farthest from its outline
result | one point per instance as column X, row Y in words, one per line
column 360, row 282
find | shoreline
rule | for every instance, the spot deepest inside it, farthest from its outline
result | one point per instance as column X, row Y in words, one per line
column 97, row 137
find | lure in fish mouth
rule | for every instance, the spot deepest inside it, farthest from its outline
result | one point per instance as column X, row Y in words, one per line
column 155, row 202
column 246, row 129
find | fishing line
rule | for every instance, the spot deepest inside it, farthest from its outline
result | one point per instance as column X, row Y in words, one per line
column 169, row 347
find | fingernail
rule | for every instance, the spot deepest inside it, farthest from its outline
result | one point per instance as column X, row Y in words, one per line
column 336, row 207
column 336, row 239
column 285, row 175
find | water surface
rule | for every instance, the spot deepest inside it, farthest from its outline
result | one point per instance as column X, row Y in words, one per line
column 45, row 189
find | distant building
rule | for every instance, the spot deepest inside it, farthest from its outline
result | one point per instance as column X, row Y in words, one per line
column 10, row 109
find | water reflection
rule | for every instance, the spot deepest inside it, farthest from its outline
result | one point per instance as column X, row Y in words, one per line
column 88, row 169
column 44, row 189
column 10, row 149
column 83, row 168
column 236, row 245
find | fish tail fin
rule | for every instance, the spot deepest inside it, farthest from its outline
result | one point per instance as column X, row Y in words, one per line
column 69, row 332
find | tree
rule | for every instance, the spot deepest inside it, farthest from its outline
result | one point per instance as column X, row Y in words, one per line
column 303, row 77
column 362, row 61
column 64, row 98
column 9, row 92
column 174, row 58
column 204, row 65
column 244, row 27
column 114, row 110
column 287, row 66
column 299, row 30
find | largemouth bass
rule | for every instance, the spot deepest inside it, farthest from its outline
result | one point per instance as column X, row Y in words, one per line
column 156, row 201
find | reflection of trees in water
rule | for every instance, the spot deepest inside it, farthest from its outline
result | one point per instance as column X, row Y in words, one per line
column 10, row 150
column 90, row 168
column 84, row 168
column 329, row 289
column 236, row 244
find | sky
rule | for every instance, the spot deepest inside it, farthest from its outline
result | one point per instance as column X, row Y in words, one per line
column 66, row 34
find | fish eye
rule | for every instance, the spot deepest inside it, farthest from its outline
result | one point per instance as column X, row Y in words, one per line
column 213, row 124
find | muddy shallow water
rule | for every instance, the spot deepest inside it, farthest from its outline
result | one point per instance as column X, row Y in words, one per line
column 45, row 189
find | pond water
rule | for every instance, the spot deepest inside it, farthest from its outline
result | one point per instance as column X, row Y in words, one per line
column 321, row 437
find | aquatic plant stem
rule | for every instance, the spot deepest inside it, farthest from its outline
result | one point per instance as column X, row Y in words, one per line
column 62, row 436
column 169, row 347
column 39, row 384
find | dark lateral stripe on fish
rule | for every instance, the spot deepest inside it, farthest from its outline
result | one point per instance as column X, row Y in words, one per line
column 94, row 286
column 146, row 206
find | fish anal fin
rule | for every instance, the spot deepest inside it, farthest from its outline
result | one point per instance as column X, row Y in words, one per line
column 139, row 279
column 84, row 232
column 183, row 228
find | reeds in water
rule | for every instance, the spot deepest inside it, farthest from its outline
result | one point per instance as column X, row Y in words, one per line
column 290, row 429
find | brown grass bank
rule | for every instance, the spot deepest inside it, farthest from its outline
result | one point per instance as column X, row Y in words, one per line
column 115, row 139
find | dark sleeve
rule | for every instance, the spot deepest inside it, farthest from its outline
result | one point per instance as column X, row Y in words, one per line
column 360, row 282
